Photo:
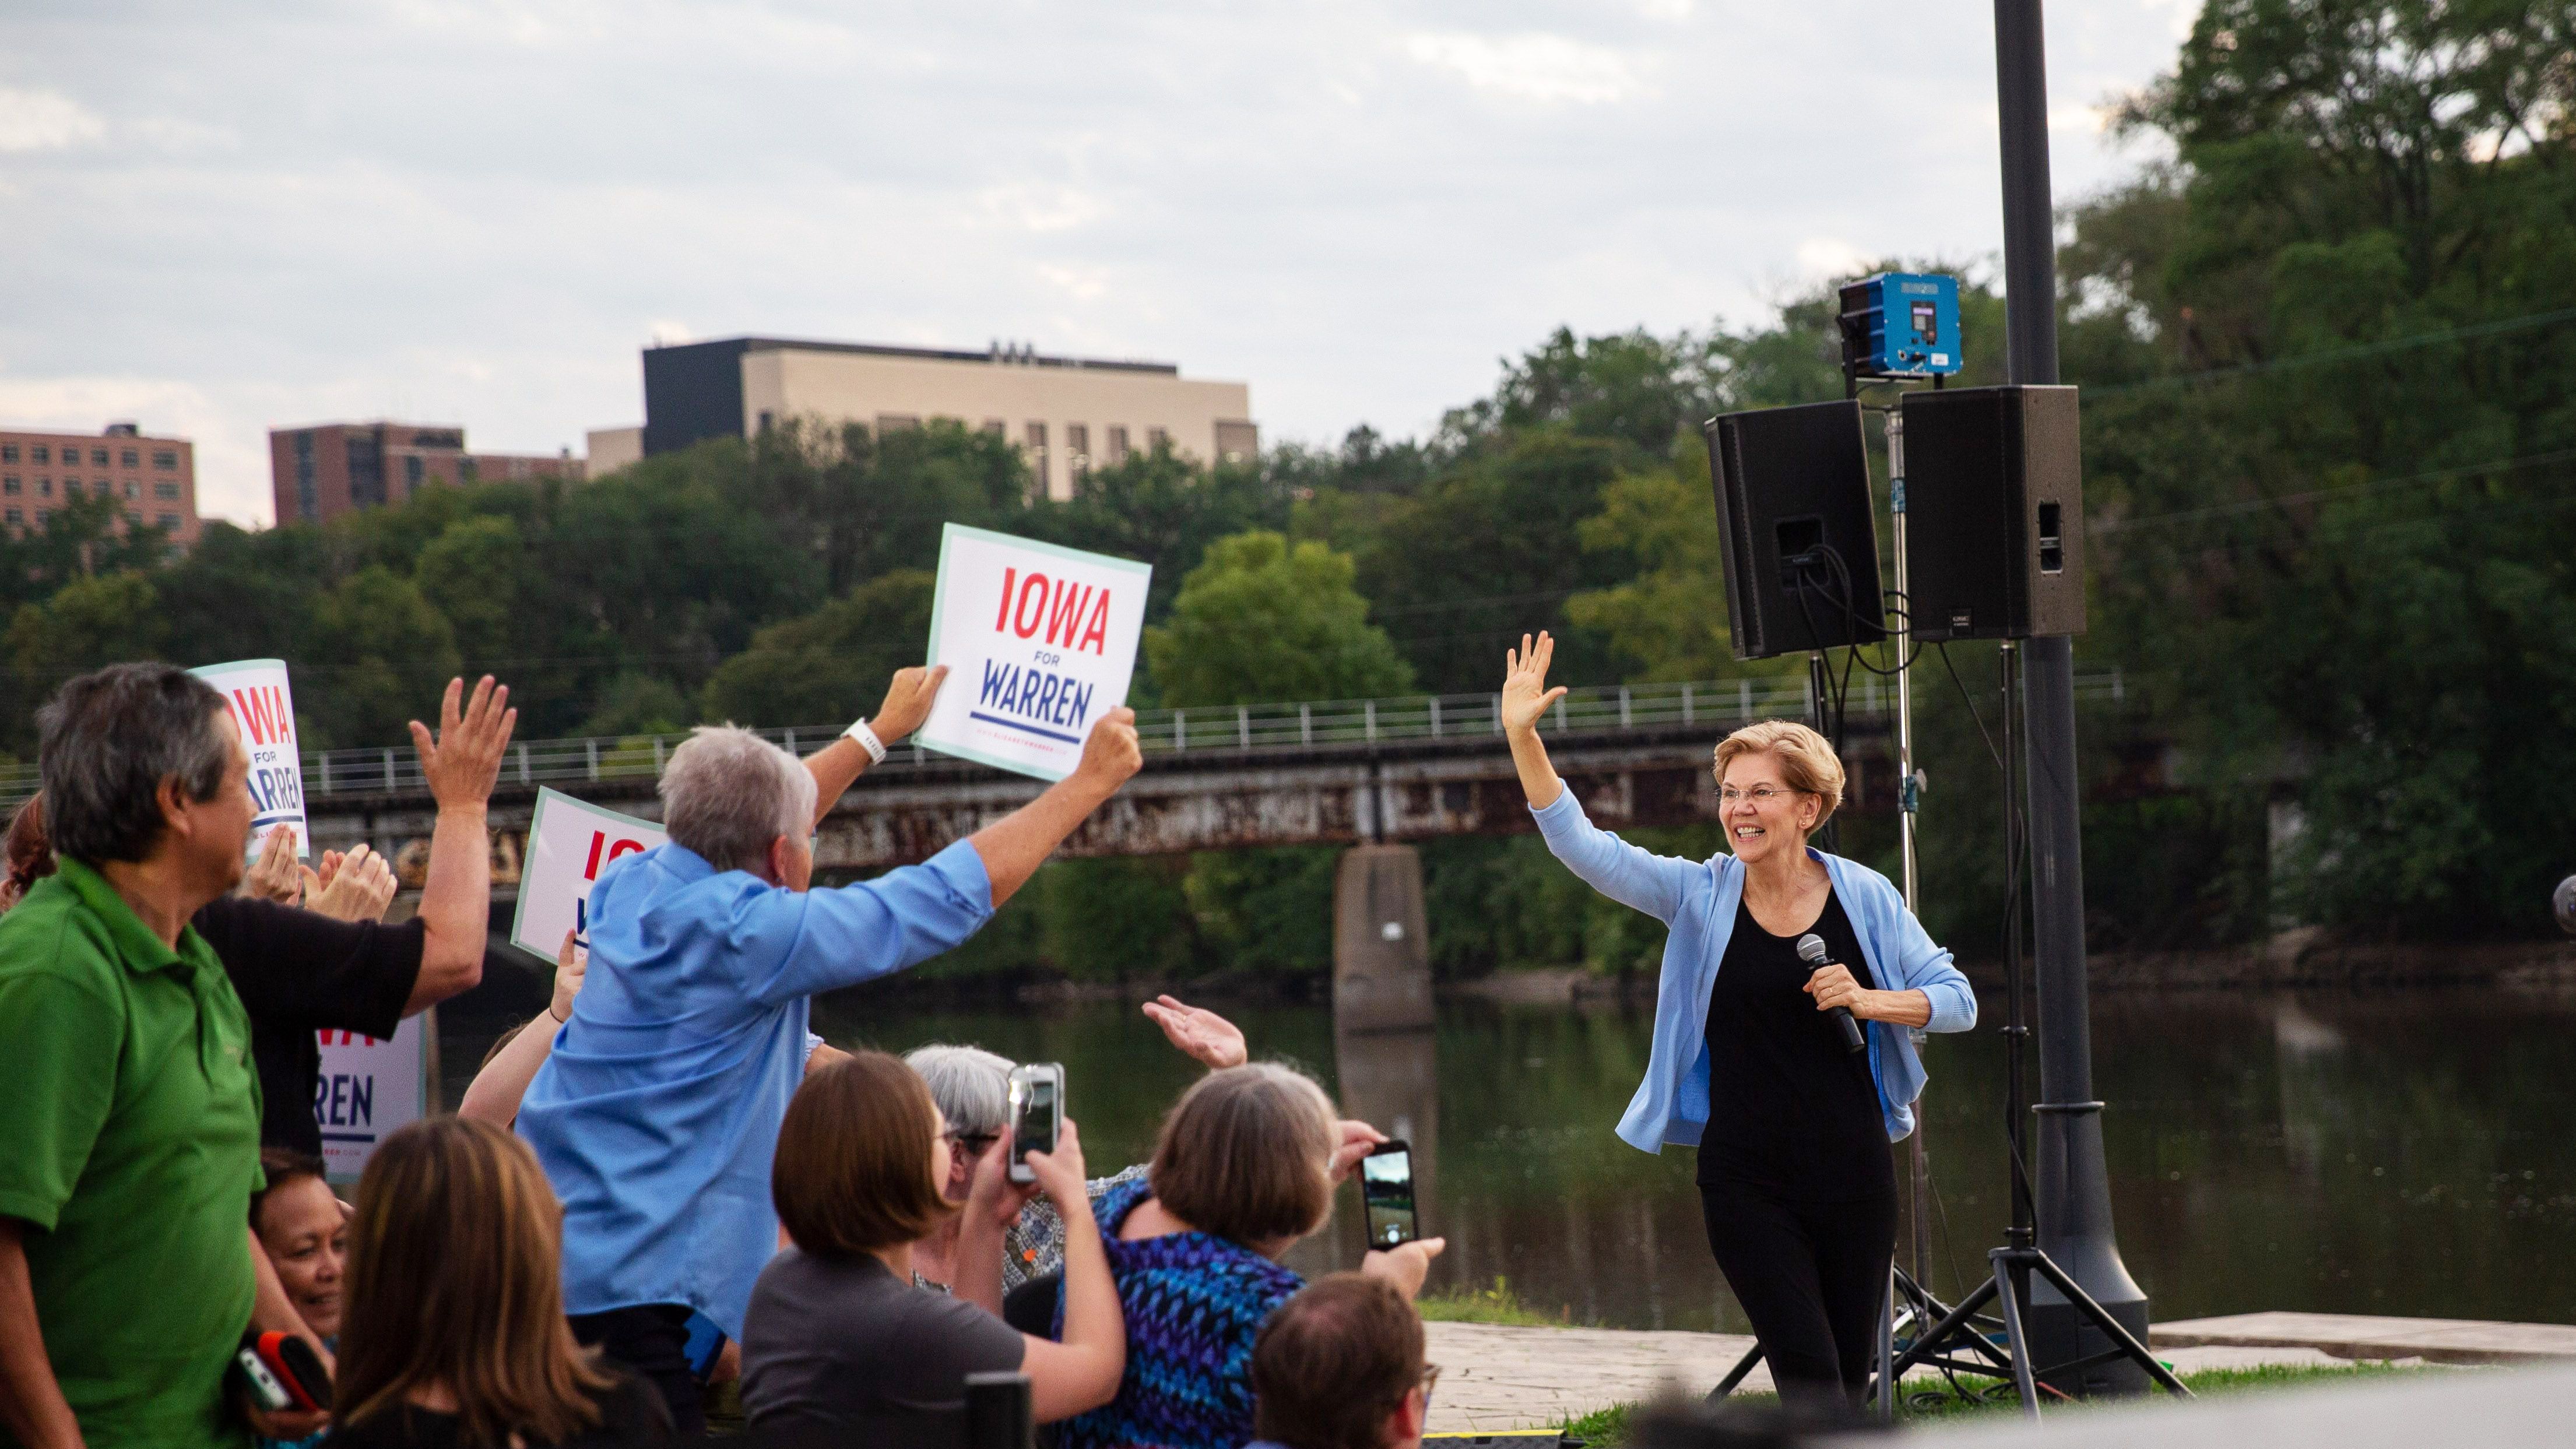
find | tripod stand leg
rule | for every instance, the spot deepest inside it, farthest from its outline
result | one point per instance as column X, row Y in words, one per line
column 2010, row 1301
column 2112, row 1328
column 1736, row 1374
column 1929, row 1341
column 1887, row 1351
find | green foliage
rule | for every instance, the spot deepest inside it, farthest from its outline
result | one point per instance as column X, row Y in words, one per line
column 1270, row 910
column 470, row 572
column 1261, row 620
column 1500, row 1304
column 381, row 653
column 832, row 664
column 1109, row 920
column 116, row 616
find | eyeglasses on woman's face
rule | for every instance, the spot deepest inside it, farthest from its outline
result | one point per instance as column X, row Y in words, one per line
column 973, row 1144
column 1762, row 796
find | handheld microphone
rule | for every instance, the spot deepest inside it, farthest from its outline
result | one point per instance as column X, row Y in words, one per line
column 1811, row 949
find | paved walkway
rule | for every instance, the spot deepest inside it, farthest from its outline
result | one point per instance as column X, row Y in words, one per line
column 1511, row 1378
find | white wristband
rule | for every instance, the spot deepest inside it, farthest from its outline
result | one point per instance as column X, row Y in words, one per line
column 868, row 741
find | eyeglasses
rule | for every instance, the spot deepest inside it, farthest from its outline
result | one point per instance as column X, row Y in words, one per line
column 1430, row 1378
column 1760, row 795
column 973, row 1144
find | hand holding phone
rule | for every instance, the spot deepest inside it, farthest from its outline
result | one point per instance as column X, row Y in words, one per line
column 1386, row 1190
column 1037, row 1114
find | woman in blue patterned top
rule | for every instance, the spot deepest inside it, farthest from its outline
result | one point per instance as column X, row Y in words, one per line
column 1244, row 1167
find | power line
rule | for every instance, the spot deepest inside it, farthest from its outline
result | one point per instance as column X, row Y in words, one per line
column 2314, row 495
column 2344, row 354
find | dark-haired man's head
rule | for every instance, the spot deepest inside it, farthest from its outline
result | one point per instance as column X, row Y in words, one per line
column 142, row 765
column 1340, row 1366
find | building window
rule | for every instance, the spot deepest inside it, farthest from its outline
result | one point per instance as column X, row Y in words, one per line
column 169, row 521
column 996, row 428
column 98, row 457
column 366, row 470
column 165, row 490
column 129, row 458
column 133, row 489
column 411, row 471
column 134, row 518
column 17, row 516
column 767, row 419
column 896, row 423
column 43, row 514
column 308, row 504
column 1077, row 448
column 44, row 487
column 71, row 488
column 39, row 455
column 165, row 458
column 8, row 452
column 1157, row 439
column 9, row 485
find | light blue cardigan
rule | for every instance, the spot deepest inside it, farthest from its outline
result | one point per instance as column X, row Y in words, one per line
column 1697, row 901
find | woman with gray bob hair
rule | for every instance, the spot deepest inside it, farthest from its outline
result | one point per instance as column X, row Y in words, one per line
column 730, row 795
column 973, row 1089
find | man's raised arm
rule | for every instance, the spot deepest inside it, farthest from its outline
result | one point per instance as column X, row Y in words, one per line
column 1014, row 846
column 907, row 704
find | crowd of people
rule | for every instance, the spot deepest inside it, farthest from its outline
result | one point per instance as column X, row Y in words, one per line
column 668, row 1182
column 671, row 1182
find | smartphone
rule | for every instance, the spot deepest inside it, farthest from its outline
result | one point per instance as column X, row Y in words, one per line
column 1386, row 1189
column 1037, row 1113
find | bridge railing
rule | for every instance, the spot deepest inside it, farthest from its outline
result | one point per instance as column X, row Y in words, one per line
column 1210, row 731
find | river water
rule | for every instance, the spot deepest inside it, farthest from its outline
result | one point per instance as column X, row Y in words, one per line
column 2396, row 1152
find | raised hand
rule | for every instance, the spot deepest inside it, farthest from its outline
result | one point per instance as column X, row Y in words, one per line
column 572, row 962
column 359, row 890
column 275, row 876
column 907, row 702
column 464, row 759
column 991, row 1196
column 1405, row 1265
column 1526, row 696
column 1111, row 757
column 1357, row 1138
column 1059, row 1173
column 1201, row 1034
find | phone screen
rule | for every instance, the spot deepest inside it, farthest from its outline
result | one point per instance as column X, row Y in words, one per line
column 1386, row 1187
column 1035, row 1129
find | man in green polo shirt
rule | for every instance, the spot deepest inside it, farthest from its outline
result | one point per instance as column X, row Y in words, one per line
column 129, row 1133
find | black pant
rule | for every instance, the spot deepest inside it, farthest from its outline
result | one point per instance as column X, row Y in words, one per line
column 1811, row 1276
column 651, row 1343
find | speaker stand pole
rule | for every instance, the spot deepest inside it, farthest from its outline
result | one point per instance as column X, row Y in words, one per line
column 2074, row 1192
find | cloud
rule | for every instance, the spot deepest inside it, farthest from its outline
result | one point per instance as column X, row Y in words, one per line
column 44, row 121
column 1820, row 257
column 1548, row 69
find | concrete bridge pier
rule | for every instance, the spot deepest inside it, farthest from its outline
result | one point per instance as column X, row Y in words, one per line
column 1381, row 941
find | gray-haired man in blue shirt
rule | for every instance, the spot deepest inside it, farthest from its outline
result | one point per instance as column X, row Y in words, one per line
column 657, row 1113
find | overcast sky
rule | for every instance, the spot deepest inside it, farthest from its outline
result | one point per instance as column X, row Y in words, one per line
column 219, row 216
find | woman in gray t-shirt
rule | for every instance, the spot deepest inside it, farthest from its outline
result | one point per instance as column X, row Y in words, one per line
column 838, row 1337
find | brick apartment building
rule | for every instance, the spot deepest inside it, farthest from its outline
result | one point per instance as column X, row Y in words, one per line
column 153, row 480
column 321, row 472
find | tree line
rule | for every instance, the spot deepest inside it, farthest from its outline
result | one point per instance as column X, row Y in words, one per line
column 2329, row 360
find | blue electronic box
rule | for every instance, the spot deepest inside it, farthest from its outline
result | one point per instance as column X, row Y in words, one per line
column 1901, row 324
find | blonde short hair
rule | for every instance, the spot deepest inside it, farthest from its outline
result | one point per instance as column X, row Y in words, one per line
column 1807, row 761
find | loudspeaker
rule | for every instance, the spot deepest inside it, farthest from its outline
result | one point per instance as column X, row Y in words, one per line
column 1994, row 513
column 1793, row 504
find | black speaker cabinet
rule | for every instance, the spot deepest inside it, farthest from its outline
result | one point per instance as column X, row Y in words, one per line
column 1801, row 536
column 1994, row 513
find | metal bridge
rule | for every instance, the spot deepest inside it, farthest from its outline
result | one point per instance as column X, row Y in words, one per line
column 1334, row 772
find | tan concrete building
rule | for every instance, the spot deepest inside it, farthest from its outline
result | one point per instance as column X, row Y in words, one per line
column 318, row 473
column 153, row 480
column 1068, row 415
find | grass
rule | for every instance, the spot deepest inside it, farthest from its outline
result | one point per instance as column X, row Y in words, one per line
column 1498, row 1304
column 1935, row 1404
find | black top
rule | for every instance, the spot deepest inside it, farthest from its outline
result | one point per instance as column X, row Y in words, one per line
column 630, row 1410
column 1791, row 1108
column 841, row 1344
column 300, row 972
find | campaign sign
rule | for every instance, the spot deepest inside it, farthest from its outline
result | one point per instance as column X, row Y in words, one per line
column 369, row 1087
column 1039, row 642
column 569, row 843
column 263, row 708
